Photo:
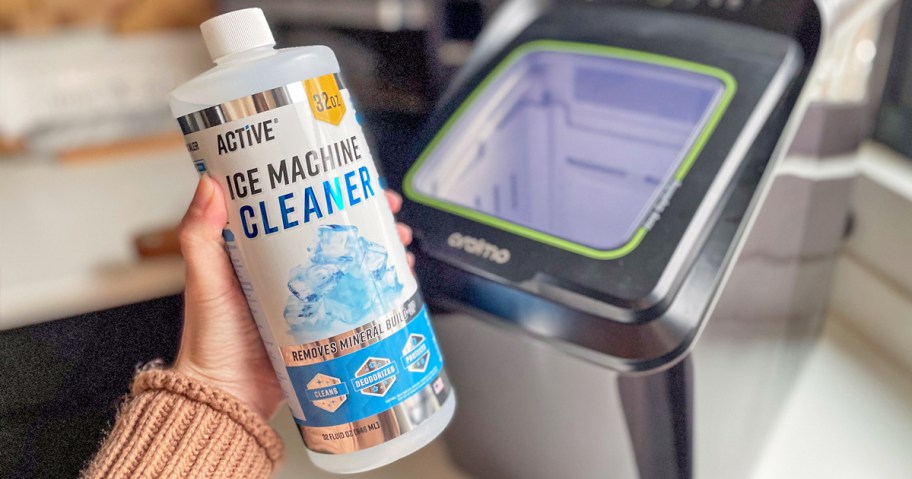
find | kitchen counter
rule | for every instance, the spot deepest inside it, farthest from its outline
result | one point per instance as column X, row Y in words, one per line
column 849, row 417
column 67, row 242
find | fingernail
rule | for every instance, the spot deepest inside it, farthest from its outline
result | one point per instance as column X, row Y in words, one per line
column 395, row 201
column 405, row 233
column 203, row 193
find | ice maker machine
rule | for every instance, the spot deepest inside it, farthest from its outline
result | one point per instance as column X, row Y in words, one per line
column 622, row 205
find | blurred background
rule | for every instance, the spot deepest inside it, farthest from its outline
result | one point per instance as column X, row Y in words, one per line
column 83, row 113
column 94, row 178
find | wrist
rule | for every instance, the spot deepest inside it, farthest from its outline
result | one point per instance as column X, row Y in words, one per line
column 223, row 383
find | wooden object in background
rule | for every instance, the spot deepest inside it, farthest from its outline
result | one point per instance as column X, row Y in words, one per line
column 146, row 15
column 127, row 148
column 11, row 146
column 126, row 16
column 163, row 242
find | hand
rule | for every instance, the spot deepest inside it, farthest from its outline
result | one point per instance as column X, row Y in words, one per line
column 220, row 344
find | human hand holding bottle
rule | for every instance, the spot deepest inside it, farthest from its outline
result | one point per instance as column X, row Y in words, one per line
column 220, row 344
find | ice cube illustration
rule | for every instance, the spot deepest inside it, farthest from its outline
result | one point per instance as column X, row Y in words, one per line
column 349, row 280
column 336, row 311
column 390, row 283
column 313, row 282
column 375, row 257
column 303, row 315
column 357, row 294
column 297, row 283
column 338, row 245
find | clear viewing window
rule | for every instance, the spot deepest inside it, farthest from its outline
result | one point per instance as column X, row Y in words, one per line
column 577, row 146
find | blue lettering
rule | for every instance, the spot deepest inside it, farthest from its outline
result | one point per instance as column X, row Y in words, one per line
column 250, row 231
column 286, row 210
column 310, row 204
column 366, row 182
column 333, row 195
column 269, row 229
column 352, row 199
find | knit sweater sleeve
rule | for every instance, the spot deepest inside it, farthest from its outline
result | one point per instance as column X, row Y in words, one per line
column 176, row 427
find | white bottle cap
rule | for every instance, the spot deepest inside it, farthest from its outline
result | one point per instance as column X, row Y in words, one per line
column 236, row 31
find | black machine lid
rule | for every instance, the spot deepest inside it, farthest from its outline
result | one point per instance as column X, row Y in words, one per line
column 585, row 169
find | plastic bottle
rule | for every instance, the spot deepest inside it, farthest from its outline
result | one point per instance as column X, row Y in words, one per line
column 315, row 247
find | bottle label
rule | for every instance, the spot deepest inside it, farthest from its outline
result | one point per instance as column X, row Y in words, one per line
column 316, row 251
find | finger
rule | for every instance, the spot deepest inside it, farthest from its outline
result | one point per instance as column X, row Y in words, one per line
column 410, row 258
column 209, row 271
column 395, row 201
column 405, row 233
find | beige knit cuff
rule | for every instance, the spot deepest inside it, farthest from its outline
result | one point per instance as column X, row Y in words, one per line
column 218, row 399
column 176, row 426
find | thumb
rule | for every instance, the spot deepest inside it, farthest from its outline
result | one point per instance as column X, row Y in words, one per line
column 209, row 272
